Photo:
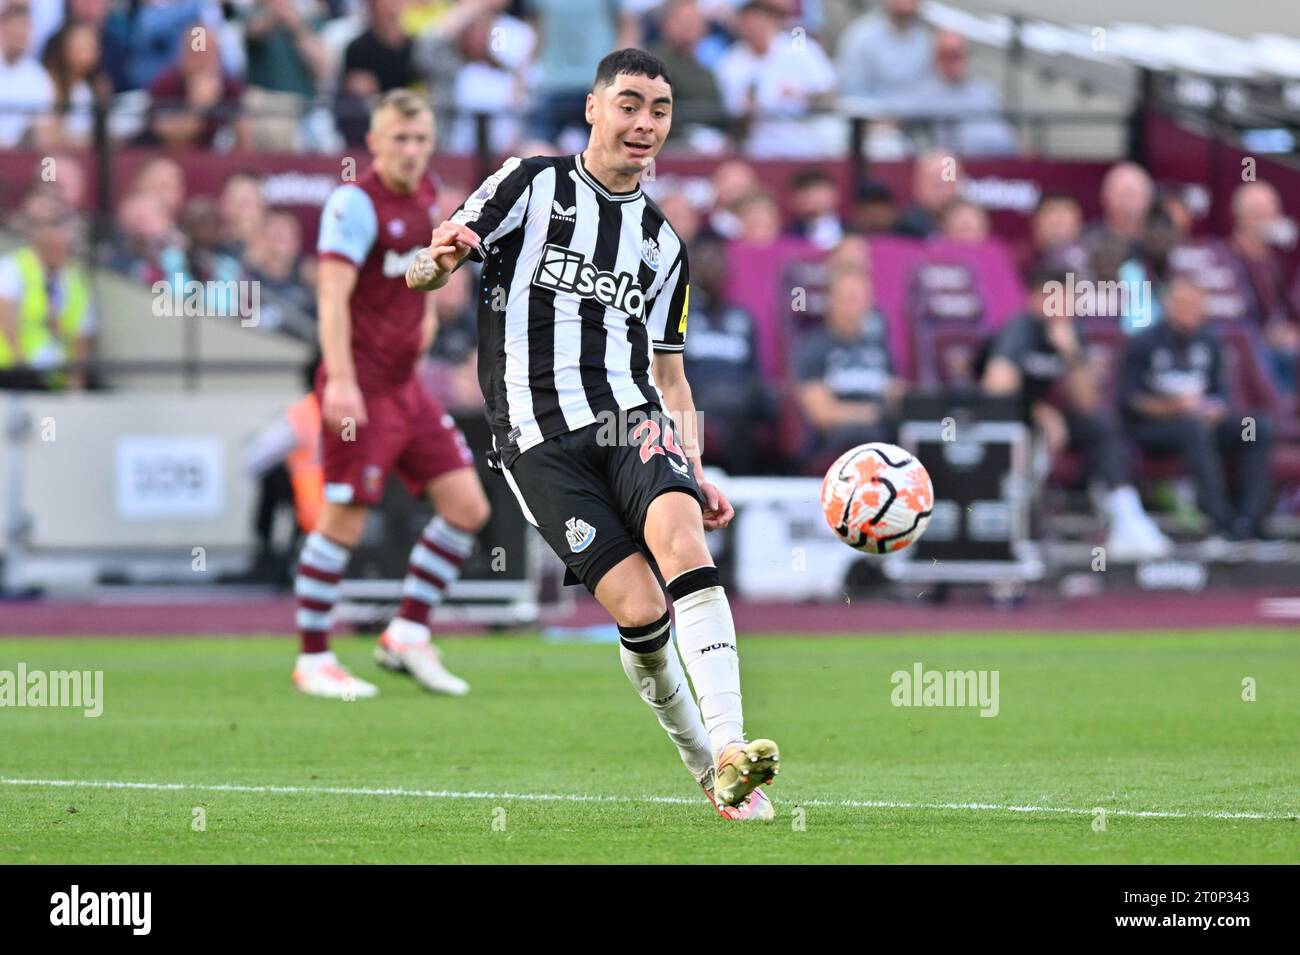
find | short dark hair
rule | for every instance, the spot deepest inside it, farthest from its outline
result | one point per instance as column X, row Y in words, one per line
column 633, row 62
column 873, row 190
column 807, row 177
column 1159, row 218
column 1053, row 196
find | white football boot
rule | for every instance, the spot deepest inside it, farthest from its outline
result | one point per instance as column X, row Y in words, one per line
column 331, row 680
column 422, row 661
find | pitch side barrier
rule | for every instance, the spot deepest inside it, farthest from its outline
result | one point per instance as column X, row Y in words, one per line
column 158, row 489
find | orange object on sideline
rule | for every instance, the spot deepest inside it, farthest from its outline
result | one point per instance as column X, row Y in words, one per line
column 304, row 461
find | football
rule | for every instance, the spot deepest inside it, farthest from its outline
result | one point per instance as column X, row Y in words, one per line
column 877, row 498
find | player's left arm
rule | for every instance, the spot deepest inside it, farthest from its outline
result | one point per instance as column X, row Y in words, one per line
column 666, row 319
column 670, row 375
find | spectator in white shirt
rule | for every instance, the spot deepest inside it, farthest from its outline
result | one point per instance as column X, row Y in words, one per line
column 885, row 55
column 26, row 92
column 773, row 82
column 966, row 111
column 47, row 17
column 475, row 61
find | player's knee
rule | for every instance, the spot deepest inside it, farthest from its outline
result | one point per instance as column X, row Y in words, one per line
column 640, row 612
column 639, row 606
column 342, row 524
column 682, row 549
column 475, row 514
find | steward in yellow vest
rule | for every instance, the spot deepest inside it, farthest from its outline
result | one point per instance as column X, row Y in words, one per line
column 46, row 315
column 40, row 333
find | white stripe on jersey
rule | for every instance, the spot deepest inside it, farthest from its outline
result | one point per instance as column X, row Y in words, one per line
column 519, row 396
column 568, row 321
column 618, row 350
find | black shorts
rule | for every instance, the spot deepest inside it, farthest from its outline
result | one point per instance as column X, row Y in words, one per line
column 588, row 491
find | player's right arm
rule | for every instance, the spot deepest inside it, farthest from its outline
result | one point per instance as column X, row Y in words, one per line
column 494, row 209
column 347, row 231
column 342, row 398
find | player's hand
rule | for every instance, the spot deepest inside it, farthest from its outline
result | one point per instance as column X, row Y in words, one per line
column 718, row 511
column 342, row 403
column 450, row 243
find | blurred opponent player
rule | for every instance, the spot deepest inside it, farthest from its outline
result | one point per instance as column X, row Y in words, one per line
column 377, row 417
column 581, row 329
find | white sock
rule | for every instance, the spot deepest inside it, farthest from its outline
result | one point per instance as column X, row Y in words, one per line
column 659, row 680
column 706, row 636
column 407, row 631
column 309, row 661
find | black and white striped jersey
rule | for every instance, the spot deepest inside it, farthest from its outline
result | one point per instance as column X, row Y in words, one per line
column 579, row 284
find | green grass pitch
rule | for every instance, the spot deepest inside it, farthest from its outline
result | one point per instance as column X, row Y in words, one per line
column 552, row 758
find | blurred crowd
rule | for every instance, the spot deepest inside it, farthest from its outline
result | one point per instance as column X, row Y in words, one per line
column 1193, row 364
column 760, row 76
column 839, row 379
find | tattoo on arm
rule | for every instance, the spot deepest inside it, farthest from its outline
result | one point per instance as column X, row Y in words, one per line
column 422, row 271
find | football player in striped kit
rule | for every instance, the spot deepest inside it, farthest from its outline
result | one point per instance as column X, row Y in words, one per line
column 582, row 324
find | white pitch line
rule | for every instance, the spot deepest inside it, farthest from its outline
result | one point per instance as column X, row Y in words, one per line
column 654, row 800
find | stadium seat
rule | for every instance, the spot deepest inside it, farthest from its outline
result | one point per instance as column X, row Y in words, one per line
column 807, row 309
column 1251, row 388
column 756, row 273
column 946, row 355
column 943, row 284
column 1249, row 385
